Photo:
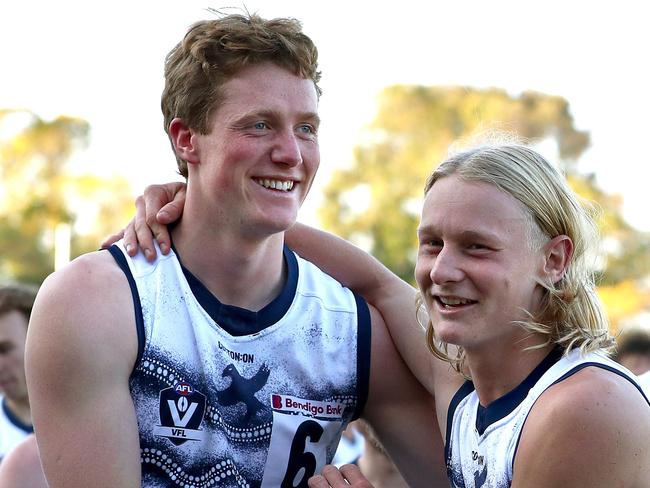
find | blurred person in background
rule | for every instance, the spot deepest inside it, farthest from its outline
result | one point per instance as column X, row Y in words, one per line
column 633, row 350
column 16, row 301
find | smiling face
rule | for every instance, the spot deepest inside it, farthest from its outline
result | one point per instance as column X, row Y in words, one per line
column 255, row 166
column 13, row 333
column 475, row 267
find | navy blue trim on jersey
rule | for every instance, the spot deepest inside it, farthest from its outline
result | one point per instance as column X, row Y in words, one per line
column 239, row 321
column 364, row 339
column 570, row 373
column 465, row 389
column 119, row 257
column 503, row 406
column 27, row 428
column 606, row 367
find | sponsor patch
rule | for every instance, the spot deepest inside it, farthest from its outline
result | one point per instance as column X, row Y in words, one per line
column 309, row 408
column 181, row 412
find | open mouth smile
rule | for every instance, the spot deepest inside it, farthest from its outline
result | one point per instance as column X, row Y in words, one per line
column 453, row 302
column 278, row 185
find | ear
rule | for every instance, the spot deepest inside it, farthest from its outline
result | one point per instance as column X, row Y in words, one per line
column 182, row 138
column 557, row 257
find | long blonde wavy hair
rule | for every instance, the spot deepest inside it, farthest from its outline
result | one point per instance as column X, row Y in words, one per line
column 571, row 314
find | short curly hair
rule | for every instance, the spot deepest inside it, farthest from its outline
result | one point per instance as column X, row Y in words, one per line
column 213, row 51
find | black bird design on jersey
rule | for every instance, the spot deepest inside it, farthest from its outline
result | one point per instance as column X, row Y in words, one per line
column 243, row 389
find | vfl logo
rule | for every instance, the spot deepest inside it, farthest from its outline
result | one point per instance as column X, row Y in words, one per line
column 181, row 413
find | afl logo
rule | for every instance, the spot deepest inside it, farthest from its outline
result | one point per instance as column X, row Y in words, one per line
column 183, row 389
column 182, row 408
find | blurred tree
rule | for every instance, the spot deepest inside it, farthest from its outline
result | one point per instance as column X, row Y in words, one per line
column 376, row 201
column 625, row 254
column 38, row 191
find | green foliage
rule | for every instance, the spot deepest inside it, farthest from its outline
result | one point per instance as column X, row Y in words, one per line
column 413, row 129
column 39, row 191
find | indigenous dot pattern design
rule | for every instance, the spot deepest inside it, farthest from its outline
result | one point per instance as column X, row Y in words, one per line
column 216, row 474
column 203, row 397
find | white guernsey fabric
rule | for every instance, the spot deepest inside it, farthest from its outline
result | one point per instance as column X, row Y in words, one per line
column 12, row 430
column 482, row 441
column 232, row 398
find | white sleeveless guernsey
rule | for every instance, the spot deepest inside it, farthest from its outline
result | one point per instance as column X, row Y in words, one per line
column 232, row 398
column 481, row 442
column 12, row 429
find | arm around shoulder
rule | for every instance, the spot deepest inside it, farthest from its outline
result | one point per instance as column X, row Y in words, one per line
column 393, row 298
column 81, row 348
column 402, row 413
column 592, row 429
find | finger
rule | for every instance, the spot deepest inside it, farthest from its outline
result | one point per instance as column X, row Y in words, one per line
column 112, row 239
column 334, row 477
column 173, row 210
column 143, row 235
column 352, row 473
column 155, row 197
column 130, row 239
column 318, row 481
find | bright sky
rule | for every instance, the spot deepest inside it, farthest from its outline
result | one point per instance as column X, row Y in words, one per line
column 103, row 62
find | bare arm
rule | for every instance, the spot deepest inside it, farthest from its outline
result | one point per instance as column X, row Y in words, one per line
column 81, row 348
column 592, row 429
column 402, row 413
column 393, row 298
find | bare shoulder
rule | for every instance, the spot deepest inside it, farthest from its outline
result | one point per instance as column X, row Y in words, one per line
column 91, row 283
column 592, row 429
column 84, row 310
column 22, row 466
column 24, row 455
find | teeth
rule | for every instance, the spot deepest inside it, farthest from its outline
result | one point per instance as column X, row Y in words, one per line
column 275, row 184
column 450, row 302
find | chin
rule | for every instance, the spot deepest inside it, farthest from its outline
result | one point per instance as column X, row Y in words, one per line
column 448, row 333
column 272, row 226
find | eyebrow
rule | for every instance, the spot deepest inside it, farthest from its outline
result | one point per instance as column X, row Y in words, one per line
column 311, row 116
column 467, row 235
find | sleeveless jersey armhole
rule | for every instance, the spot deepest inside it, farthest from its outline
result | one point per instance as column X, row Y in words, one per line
column 139, row 321
column 464, row 390
column 567, row 375
column 364, row 337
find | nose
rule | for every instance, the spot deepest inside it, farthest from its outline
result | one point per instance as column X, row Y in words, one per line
column 446, row 267
column 286, row 149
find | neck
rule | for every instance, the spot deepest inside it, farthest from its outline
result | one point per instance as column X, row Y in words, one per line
column 239, row 270
column 20, row 409
column 502, row 370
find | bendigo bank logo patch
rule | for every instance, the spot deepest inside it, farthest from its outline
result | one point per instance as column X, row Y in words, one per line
column 309, row 408
column 181, row 412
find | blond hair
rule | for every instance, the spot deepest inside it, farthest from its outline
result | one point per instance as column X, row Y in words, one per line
column 571, row 315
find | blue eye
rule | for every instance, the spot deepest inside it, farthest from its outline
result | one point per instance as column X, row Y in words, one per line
column 260, row 125
column 307, row 129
